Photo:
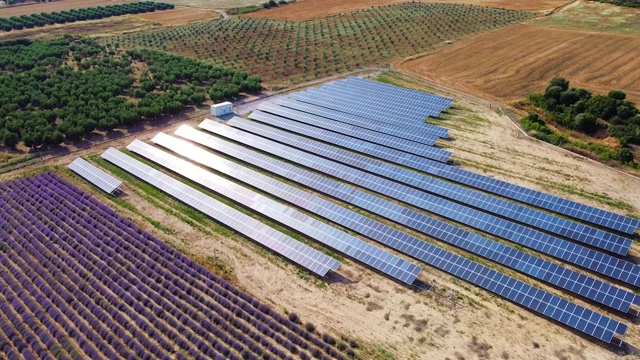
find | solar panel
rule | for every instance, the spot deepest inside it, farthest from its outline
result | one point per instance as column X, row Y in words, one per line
column 538, row 268
column 548, row 222
column 351, row 130
column 572, row 253
column 414, row 134
column 392, row 89
column 411, row 99
column 94, row 175
column 402, row 107
column 301, row 254
column 366, row 253
column 433, row 153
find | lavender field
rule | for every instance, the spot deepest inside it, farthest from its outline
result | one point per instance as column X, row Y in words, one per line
column 79, row 281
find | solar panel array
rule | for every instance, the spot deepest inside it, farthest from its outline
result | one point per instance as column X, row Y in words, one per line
column 401, row 128
column 553, row 306
column 362, row 251
column 572, row 230
column 428, row 152
column 392, row 90
column 599, row 291
column 573, row 253
column 414, row 134
column 95, row 175
column 351, row 130
column 301, row 254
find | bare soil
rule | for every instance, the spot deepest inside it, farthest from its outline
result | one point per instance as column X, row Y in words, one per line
column 180, row 16
column 316, row 9
column 511, row 62
column 60, row 5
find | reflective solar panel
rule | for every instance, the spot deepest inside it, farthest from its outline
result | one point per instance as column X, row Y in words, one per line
column 572, row 253
column 532, row 217
column 400, row 91
column 299, row 253
column 366, row 253
column 538, row 268
column 355, row 107
column 409, row 133
column 433, row 153
column 95, row 175
column 348, row 129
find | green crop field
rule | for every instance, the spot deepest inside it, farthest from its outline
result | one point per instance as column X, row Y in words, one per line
column 289, row 52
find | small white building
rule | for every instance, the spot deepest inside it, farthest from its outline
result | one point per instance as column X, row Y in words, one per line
column 222, row 109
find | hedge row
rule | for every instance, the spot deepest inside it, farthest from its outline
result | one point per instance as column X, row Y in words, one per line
column 62, row 17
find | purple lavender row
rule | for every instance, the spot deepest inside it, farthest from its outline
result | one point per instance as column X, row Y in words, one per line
column 132, row 301
column 294, row 326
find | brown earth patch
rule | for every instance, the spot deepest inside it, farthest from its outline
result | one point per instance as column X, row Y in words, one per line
column 180, row 16
column 316, row 9
column 509, row 63
column 36, row 8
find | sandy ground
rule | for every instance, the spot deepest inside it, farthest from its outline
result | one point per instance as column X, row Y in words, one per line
column 60, row 5
column 511, row 62
column 315, row 9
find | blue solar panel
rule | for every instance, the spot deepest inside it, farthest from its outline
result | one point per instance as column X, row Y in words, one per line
column 299, row 253
column 433, row 153
column 372, row 256
column 542, row 242
column 351, row 130
column 538, row 268
column 365, row 110
column 414, row 134
column 572, row 230
column 445, row 102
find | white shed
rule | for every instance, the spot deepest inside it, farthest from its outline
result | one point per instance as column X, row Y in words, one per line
column 221, row 109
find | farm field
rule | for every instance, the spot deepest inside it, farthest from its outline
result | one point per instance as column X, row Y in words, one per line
column 290, row 52
column 179, row 16
column 521, row 59
column 595, row 16
column 316, row 9
column 61, row 5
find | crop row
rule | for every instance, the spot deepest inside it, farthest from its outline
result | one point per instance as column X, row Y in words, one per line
column 79, row 280
column 302, row 50
column 73, row 15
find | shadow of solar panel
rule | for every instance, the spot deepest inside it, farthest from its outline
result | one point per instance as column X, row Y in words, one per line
column 94, row 175
column 350, row 130
column 433, row 153
column 299, row 253
column 414, row 134
column 372, row 256
column 532, row 217
column 567, row 279
column 572, row 253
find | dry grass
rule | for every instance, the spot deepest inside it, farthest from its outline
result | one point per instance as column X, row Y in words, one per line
column 60, row 5
column 521, row 59
column 180, row 16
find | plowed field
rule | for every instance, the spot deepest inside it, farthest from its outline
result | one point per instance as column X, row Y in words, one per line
column 316, row 9
column 36, row 8
column 511, row 62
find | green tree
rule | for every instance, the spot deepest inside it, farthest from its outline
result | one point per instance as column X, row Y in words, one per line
column 617, row 94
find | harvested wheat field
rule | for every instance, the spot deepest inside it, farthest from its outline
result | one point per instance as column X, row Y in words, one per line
column 517, row 60
column 316, row 9
column 179, row 16
column 36, row 8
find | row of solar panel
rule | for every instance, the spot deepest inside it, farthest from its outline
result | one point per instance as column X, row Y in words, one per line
column 571, row 314
column 95, row 175
column 579, row 255
column 533, row 197
column 299, row 253
column 580, row 284
column 388, row 89
column 509, row 210
column 372, row 256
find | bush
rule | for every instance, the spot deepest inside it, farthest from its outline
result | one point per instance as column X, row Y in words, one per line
column 293, row 317
column 310, row 327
